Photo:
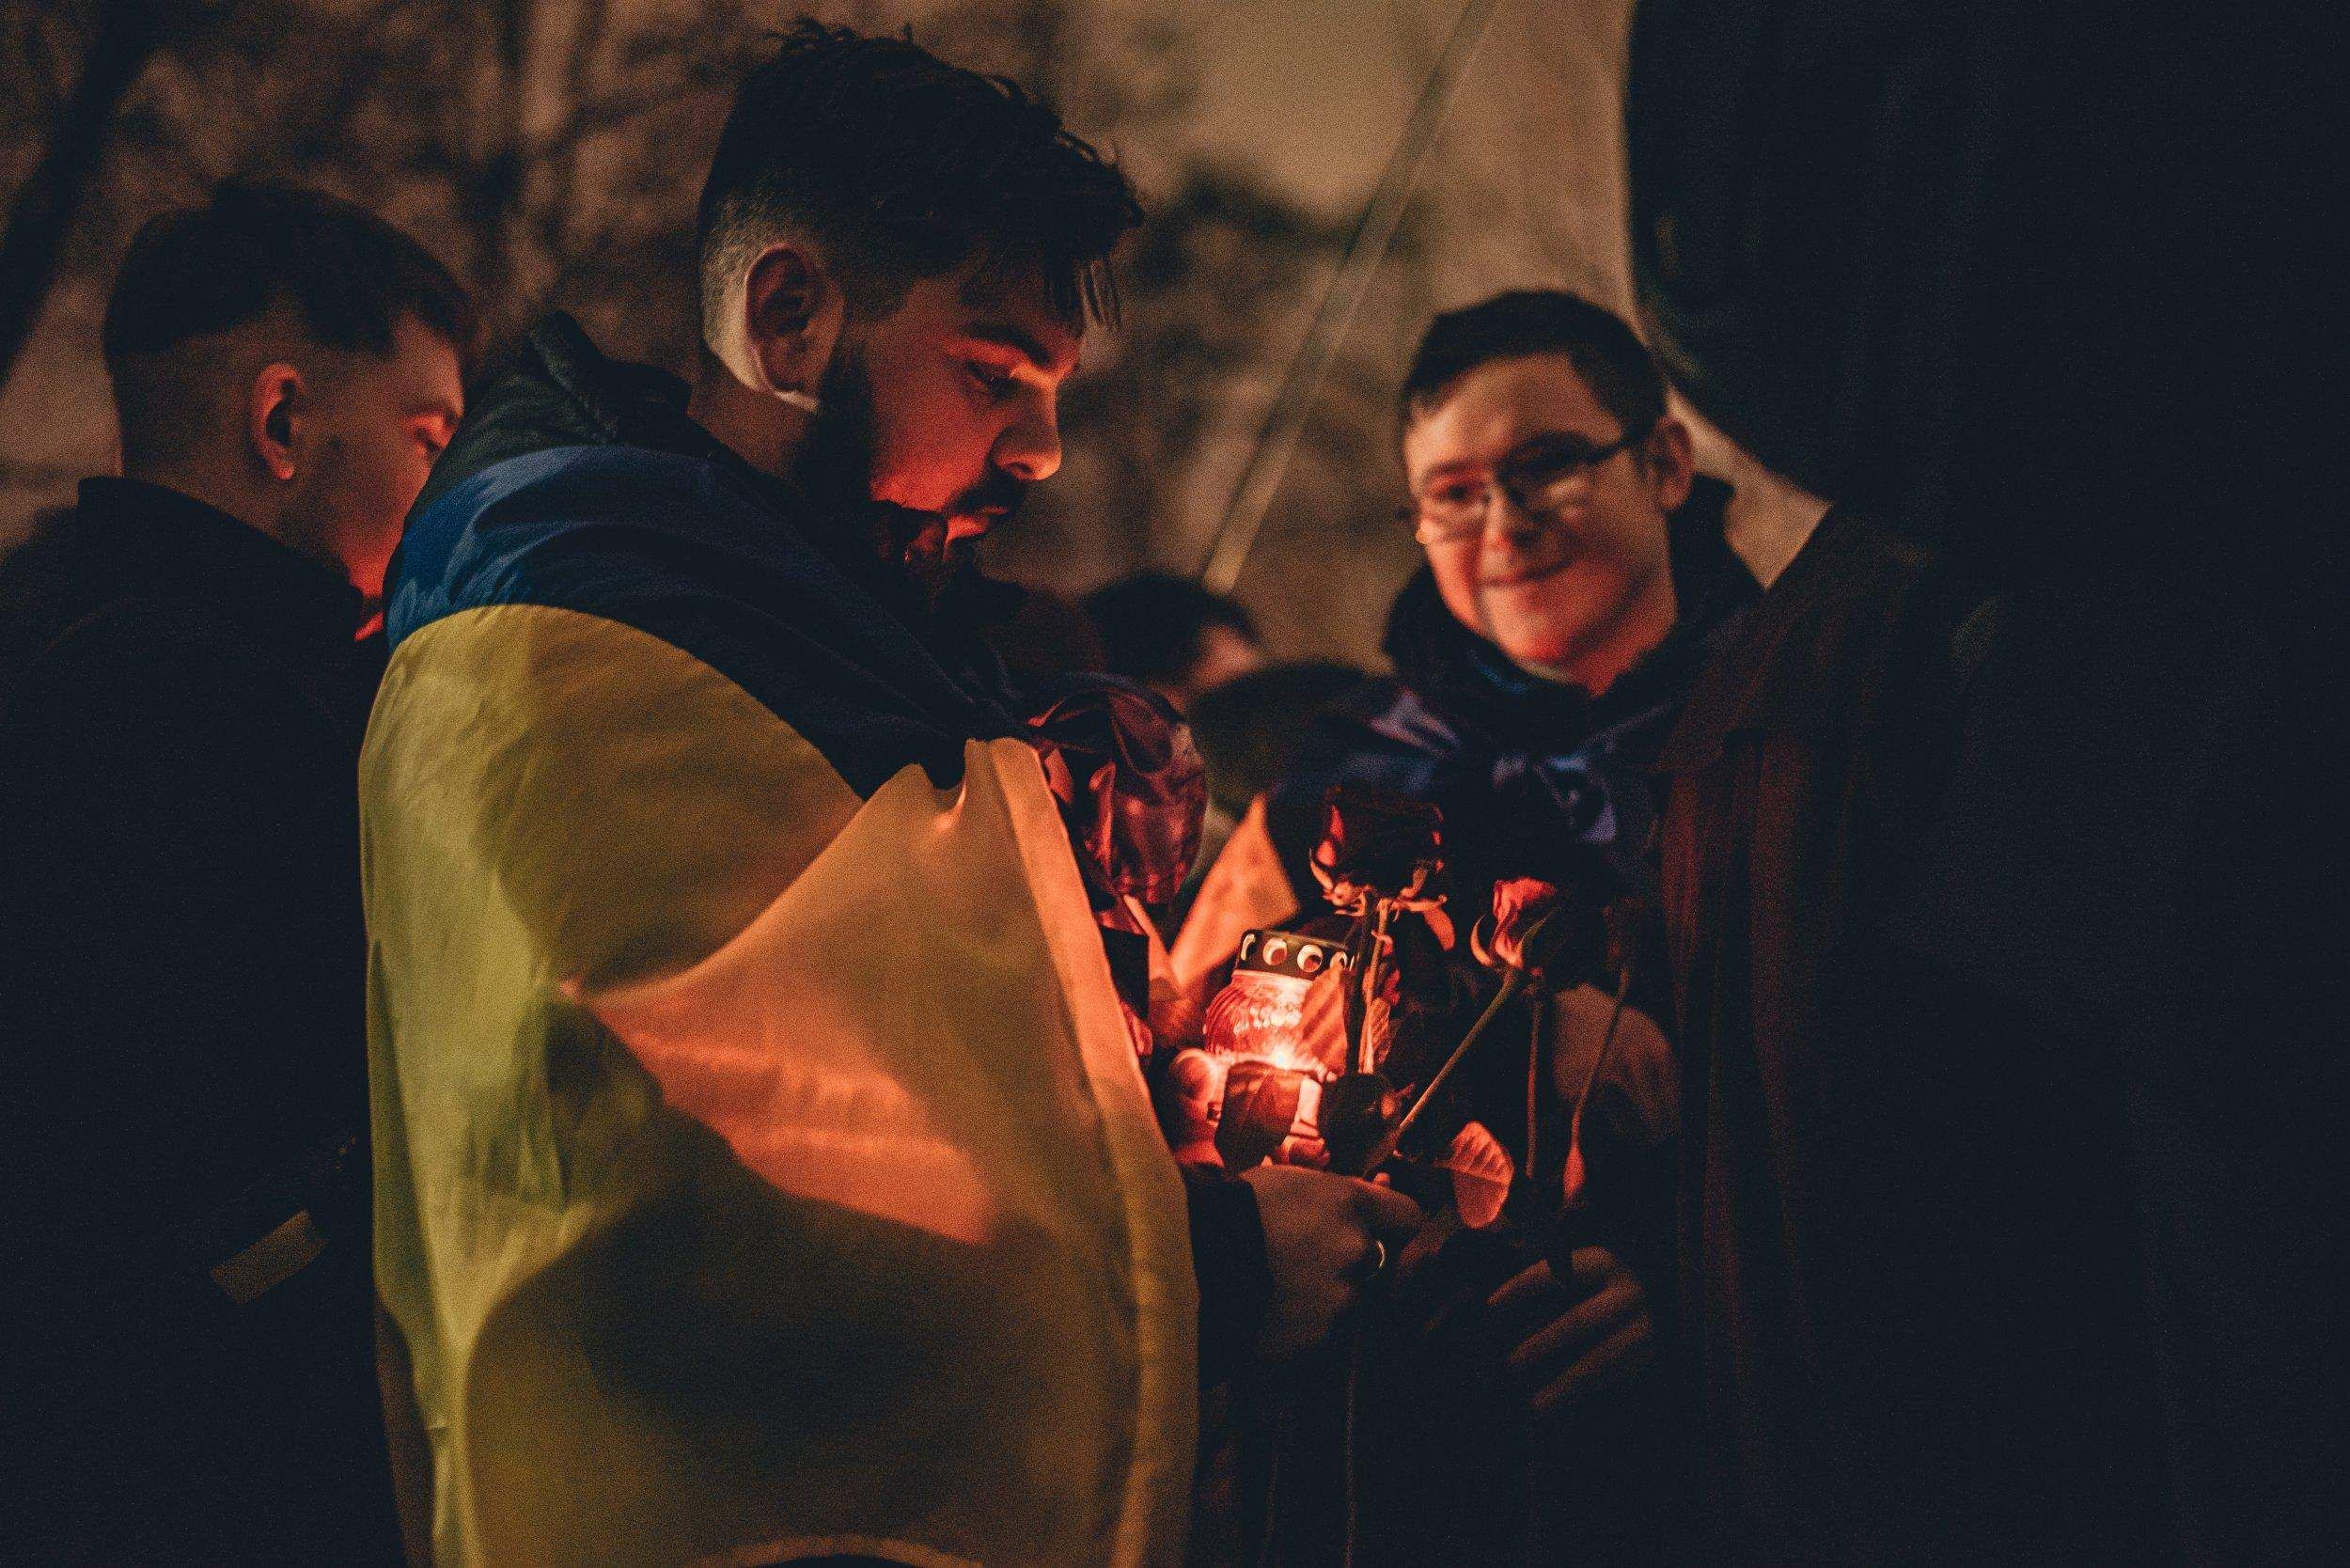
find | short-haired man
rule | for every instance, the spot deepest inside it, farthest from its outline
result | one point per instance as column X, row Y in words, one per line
column 764, row 1167
column 186, row 1250
column 1577, row 575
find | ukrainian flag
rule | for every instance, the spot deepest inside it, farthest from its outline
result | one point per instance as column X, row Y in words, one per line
column 764, row 1167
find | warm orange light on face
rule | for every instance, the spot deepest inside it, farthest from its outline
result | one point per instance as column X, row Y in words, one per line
column 1580, row 590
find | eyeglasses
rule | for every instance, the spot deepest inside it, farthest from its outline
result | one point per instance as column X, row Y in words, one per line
column 1541, row 482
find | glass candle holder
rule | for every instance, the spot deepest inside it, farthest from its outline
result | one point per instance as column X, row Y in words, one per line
column 1277, row 1033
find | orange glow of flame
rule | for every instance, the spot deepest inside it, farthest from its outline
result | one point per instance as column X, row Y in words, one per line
column 810, row 1111
column 1295, row 1025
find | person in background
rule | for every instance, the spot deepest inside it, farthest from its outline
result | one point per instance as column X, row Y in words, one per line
column 2005, row 962
column 1576, row 578
column 182, row 1152
column 1040, row 635
column 1176, row 637
column 766, row 1169
column 1249, row 731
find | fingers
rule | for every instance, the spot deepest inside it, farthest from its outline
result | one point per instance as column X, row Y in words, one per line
column 1390, row 1220
column 1618, row 1357
column 1426, row 1242
column 1590, row 1267
column 1528, row 1289
column 1387, row 1213
column 1326, row 1239
column 1448, row 1316
column 1577, row 1330
column 1570, row 1337
column 1529, row 1300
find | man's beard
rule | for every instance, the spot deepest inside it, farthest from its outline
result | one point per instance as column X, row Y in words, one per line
column 835, row 467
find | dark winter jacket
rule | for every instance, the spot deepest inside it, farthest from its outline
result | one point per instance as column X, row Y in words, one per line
column 189, row 1339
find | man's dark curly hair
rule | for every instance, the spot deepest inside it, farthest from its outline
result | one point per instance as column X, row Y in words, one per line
column 1600, row 344
column 901, row 167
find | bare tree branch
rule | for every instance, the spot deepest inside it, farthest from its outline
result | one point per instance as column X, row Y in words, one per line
column 328, row 115
column 128, row 33
column 612, row 112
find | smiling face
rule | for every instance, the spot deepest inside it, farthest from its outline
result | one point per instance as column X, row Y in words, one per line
column 1577, row 591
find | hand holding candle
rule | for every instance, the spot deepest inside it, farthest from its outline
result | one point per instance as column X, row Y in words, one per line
column 1327, row 1238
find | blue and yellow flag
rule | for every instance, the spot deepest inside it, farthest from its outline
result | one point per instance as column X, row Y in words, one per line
column 764, row 1170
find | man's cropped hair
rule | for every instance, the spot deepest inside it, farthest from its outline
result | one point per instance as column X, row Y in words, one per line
column 900, row 166
column 257, row 246
column 1602, row 347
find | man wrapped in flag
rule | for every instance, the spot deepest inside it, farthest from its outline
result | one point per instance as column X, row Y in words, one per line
column 764, row 1168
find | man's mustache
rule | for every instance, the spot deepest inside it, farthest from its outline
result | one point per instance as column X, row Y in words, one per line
column 999, row 493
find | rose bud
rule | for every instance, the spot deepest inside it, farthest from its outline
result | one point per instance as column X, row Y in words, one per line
column 1537, row 927
column 1520, row 904
column 1376, row 846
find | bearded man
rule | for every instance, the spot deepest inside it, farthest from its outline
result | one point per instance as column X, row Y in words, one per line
column 766, row 1170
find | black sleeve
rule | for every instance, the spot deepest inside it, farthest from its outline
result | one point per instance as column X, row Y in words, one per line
column 180, row 905
column 1227, row 1254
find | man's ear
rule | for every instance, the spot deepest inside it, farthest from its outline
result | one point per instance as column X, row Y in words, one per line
column 1671, row 461
column 792, row 315
column 276, row 409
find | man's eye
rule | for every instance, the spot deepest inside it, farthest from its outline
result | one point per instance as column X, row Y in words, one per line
column 988, row 379
column 1554, row 463
column 1456, row 492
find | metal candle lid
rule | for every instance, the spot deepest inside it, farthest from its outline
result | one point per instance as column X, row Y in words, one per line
column 1287, row 953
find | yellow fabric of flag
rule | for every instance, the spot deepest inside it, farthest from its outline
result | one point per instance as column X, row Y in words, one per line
column 763, row 1173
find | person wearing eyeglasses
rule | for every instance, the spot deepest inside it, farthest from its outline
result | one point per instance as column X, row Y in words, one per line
column 1576, row 577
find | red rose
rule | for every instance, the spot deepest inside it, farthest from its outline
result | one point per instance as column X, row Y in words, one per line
column 1376, row 846
column 1521, row 903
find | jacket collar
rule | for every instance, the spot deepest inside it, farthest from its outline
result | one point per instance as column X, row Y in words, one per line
column 149, row 538
column 561, row 390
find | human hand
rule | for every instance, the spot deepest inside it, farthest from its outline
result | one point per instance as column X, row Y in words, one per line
column 1574, row 1337
column 1440, row 1286
column 1325, row 1237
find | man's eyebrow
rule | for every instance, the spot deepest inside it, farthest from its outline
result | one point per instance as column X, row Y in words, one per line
column 1017, row 338
column 1540, row 441
column 1544, row 440
column 1537, row 441
column 1458, row 465
column 1509, row 454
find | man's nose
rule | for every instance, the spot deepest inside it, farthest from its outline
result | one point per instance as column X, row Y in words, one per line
column 1509, row 525
column 1030, row 448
